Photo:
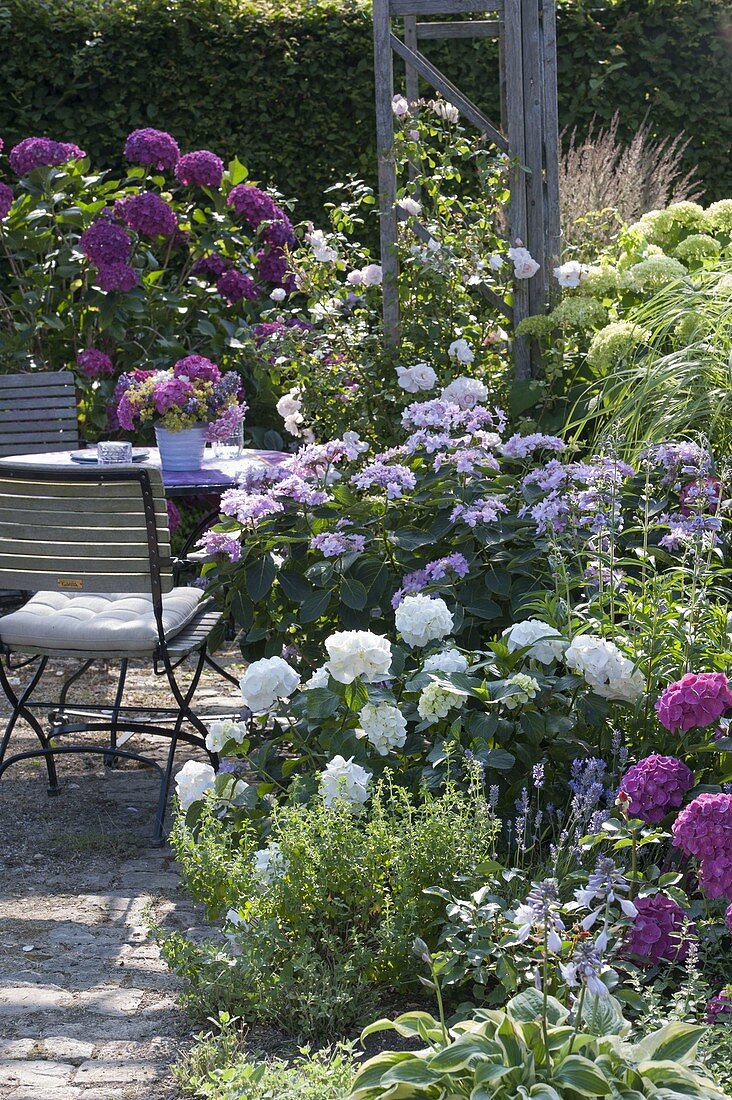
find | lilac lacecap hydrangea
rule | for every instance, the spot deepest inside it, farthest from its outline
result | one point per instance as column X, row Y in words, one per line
column 37, row 152
column 697, row 699
column 719, row 1007
column 116, row 277
column 656, row 785
column 195, row 367
column 657, row 932
column 6, row 200
column 104, row 243
column 94, row 363
column 200, row 169
column 147, row 213
column 152, row 148
column 221, row 544
column 235, row 285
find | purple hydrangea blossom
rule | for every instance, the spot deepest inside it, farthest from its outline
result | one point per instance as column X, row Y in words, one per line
column 272, row 265
column 148, row 214
column 656, row 785
column 434, row 571
column 466, row 460
column 252, row 204
column 333, row 544
column 200, row 169
column 657, row 932
column 395, row 479
column 696, row 700
column 210, row 267
column 196, row 367
column 481, row 511
column 704, row 829
column 221, row 430
column 116, row 277
column 728, row 918
column 6, row 200
column 94, row 363
column 523, row 446
column 715, row 875
column 35, row 152
column 172, row 392
column 235, row 285
column 720, row 1007
column 220, row 544
column 249, row 507
column 104, row 243
column 152, row 148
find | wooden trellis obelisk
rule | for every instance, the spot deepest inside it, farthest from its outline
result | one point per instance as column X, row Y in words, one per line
column 528, row 132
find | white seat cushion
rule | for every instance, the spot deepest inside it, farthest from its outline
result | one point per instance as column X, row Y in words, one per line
column 104, row 624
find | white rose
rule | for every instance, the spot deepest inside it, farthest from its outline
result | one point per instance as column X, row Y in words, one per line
column 410, row 206
column 450, row 660
column 289, row 404
column 319, row 679
column 607, row 671
column 445, row 110
column 420, row 620
column 495, row 262
column 465, row 392
column 546, row 643
column 224, row 730
column 437, row 700
column 266, row 681
column 322, row 251
column 400, row 106
column 496, row 335
column 278, row 294
column 192, row 782
column 570, row 274
column 462, row 351
column 354, row 278
column 346, row 781
column 372, row 275
column 416, row 378
column 358, row 653
column 269, row 864
column 384, row 725
column 524, row 264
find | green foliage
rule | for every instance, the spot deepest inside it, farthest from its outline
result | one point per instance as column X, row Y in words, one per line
column 288, row 84
column 533, row 1048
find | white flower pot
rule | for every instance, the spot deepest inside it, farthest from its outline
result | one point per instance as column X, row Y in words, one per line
column 181, row 450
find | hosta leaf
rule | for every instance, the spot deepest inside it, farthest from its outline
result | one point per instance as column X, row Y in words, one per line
column 544, row 1092
column 529, row 1005
column 414, row 1072
column 372, row 1073
column 602, row 1015
column 582, row 1075
column 676, row 1042
column 459, row 1055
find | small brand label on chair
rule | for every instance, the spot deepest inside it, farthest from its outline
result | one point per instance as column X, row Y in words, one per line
column 64, row 582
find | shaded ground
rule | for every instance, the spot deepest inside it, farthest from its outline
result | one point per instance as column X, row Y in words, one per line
column 87, row 1007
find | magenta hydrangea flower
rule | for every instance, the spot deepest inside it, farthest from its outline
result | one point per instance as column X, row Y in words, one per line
column 720, row 1007
column 6, row 200
column 200, row 169
column 37, row 152
column 194, row 367
column 210, row 267
column 172, row 393
column 697, row 699
column 656, row 785
column 234, row 285
column 252, row 204
column 105, row 243
column 116, row 277
column 657, row 932
column 94, row 363
column 272, row 265
column 279, row 233
column 149, row 214
column 152, row 148
column 715, row 875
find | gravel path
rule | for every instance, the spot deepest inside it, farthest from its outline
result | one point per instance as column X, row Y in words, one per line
column 87, row 1007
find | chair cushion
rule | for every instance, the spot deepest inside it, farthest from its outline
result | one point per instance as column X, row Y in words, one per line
column 104, row 624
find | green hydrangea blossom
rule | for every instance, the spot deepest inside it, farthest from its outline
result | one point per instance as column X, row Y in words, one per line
column 718, row 216
column 698, row 246
column 538, row 327
column 655, row 272
column 599, row 282
column 614, row 344
column 579, row 313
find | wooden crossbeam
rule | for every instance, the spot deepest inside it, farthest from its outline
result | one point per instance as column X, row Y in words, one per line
column 465, row 28
column 443, row 7
column 441, row 84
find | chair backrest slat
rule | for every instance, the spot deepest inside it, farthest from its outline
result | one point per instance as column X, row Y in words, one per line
column 38, row 412
column 83, row 530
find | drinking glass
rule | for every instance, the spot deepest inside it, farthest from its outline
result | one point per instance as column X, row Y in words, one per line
column 113, row 451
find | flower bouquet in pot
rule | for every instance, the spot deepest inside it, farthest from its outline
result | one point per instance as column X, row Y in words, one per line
column 189, row 404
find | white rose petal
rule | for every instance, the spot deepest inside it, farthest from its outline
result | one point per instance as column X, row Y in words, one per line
column 416, row 378
column 461, row 350
column 372, row 275
column 278, row 294
column 524, row 264
column 465, row 392
column 410, row 206
column 400, row 106
column 571, row 273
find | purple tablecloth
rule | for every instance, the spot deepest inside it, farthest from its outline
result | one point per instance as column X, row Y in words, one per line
column 215, row 474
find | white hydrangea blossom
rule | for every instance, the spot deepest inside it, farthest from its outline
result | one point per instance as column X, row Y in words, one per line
column 266, row 681
column 192, row 782
column 465, row 392
column 355, row 653
column 346, row 781
column 419, row 377
column 319, row 679
column 450, row 660
column 420, row 620
column 546, row 643
column 461, row 350
column 384, row 725
column 437, row 700
column 269, row 864
column 224, row 730
column 607, row 671
column 527, row 688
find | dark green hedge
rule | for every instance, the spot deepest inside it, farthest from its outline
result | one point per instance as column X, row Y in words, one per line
column 287, row 84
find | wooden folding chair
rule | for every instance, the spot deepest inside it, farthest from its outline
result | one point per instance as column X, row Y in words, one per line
column 94, row 546
column 38, row 413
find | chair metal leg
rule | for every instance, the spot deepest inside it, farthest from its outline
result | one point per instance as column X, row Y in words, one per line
column 220, row 670
column 109, row 761
column 21, row 710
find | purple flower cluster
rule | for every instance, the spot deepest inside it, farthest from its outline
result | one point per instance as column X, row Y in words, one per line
column 104, row 243
column 116, row 277
column 433, row 572
column 587, row 784
column 216, row 542
column 257, row 209
column 210, row 267
column 696, row 700
column 200, row 169
column 36, row 152
column 447, row 416
column 679, row 461
column 172, row 392
column 148, row 214
column 689, row 531
column 720, row 1006
column 273, row 266
column 657, row 932
column 333, row 544
column 234, row 286
column 6, row 200
column 482, row 511
column 704, row 829
column 152, row 148
column 196, row 367
column 728, row 918
column 94, row 363
column 524, row 446
column 247, row 507
column 395, row 479
column 656, row 785
column 221, row 430
column 586, row 492
column 173, row 516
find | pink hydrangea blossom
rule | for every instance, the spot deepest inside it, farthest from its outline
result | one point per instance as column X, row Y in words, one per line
column 657, row 932
column 720, row 1006
column 697, row 699
column 94, row 363
column 656, row 785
